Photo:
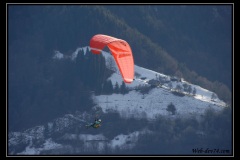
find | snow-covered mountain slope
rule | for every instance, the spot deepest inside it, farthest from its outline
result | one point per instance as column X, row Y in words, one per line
column 38, row 140
column 138, row 105
column 143, row 75
column 149, row 106
column 71, row 134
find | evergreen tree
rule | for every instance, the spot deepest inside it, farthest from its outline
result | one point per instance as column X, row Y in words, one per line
column 123, row 88
column 194, row 91
column 178, row 88
column 171, row 108
column 108, row 87
column 116, row 89
column 185, row 87
column 189, row 89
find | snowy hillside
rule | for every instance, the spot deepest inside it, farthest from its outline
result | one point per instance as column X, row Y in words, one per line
column 37, row 140
column 70, row 129
column 137, row 105
column 143, row 75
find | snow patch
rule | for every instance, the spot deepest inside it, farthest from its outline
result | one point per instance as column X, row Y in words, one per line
column 49, row 144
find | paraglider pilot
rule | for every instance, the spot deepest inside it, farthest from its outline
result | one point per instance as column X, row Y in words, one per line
column 96, row 124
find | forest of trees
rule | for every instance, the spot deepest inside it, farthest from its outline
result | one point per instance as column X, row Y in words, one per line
column 180, row 136
column 187, row 33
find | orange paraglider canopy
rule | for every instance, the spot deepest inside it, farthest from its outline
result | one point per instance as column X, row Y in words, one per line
column 120, row 50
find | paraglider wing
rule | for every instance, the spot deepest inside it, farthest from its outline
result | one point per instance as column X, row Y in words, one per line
column 121, row 52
